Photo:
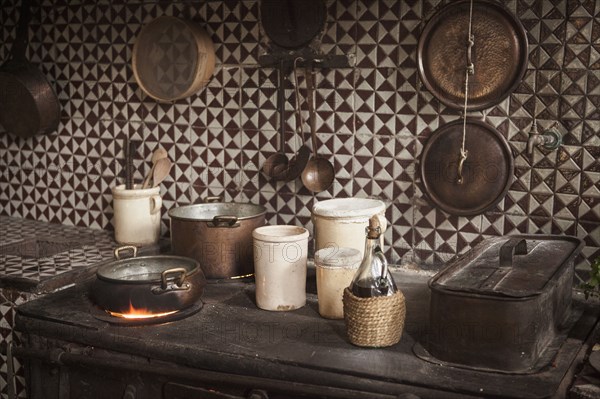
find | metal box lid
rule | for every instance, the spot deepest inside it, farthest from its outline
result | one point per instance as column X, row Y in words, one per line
column 512, row 266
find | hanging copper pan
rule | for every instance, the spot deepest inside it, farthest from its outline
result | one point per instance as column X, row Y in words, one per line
column 499, row 54
column 487, row 171
column 28, row 103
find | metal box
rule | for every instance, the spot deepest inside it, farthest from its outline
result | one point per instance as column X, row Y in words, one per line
column 499, row 306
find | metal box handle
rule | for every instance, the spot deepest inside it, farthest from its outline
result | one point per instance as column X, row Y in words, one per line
column 514, row 246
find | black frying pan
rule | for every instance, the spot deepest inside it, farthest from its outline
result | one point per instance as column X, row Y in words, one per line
column 28, row 104
column 291, row 24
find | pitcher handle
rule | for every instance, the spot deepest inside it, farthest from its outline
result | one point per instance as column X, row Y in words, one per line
column 155, row 204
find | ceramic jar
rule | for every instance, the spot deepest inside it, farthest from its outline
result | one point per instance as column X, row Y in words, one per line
column 280, row 254
column 341, row 222
column 136, row 215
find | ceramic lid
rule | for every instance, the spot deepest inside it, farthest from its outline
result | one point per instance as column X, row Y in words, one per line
column 349, row 207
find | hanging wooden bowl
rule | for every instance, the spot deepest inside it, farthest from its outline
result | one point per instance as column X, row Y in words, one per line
column 499, row 54
column 172, row 58
column 487, row 172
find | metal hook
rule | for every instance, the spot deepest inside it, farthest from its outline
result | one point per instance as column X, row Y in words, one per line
column 463, row 157
column 470, row 66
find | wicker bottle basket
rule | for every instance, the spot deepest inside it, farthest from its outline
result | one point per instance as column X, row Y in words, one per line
column 375, row 321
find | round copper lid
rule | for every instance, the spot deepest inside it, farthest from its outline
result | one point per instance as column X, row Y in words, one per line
column 499, row 54
column 487, row 171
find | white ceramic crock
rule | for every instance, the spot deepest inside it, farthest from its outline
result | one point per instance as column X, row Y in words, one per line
column 335, row 268
column 280, row 254
column 341, row 222
column 136, row 215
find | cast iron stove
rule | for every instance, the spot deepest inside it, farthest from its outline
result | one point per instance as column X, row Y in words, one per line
column 231, row 349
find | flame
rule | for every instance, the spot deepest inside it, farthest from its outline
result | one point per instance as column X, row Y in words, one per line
column 243, row 276
column 141, row 313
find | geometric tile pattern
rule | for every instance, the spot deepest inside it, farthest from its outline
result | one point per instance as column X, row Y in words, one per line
column 9, row 299
column 35, row 252
column 373, row 120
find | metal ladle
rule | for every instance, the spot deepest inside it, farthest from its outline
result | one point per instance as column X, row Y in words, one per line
column 300, row 160
column 275, row 165
column 319, row 173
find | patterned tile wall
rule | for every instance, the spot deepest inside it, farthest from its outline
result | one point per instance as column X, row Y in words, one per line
column 373, row 120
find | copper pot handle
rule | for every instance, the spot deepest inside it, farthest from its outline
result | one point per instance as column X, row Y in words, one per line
column 178, row 280
column 210, row 200
column 123, row 248
column 224, row 221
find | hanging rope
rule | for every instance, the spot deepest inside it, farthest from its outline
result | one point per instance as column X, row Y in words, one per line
column 470, row 70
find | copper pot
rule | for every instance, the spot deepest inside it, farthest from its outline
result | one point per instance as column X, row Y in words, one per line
column 218, row 235
column 157, row 284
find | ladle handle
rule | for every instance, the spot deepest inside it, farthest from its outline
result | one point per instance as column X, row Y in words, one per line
column 298, row 110
column 310, row 84
column 281, row 106
column 19, row 49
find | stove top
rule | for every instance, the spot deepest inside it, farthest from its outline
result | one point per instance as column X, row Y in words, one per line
column 230, row 334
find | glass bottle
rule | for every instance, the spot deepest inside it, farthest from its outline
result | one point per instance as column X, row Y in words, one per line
column 373, row 277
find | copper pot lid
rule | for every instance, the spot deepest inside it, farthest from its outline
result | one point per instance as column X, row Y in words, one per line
column 487, row 171
column 499, row 54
